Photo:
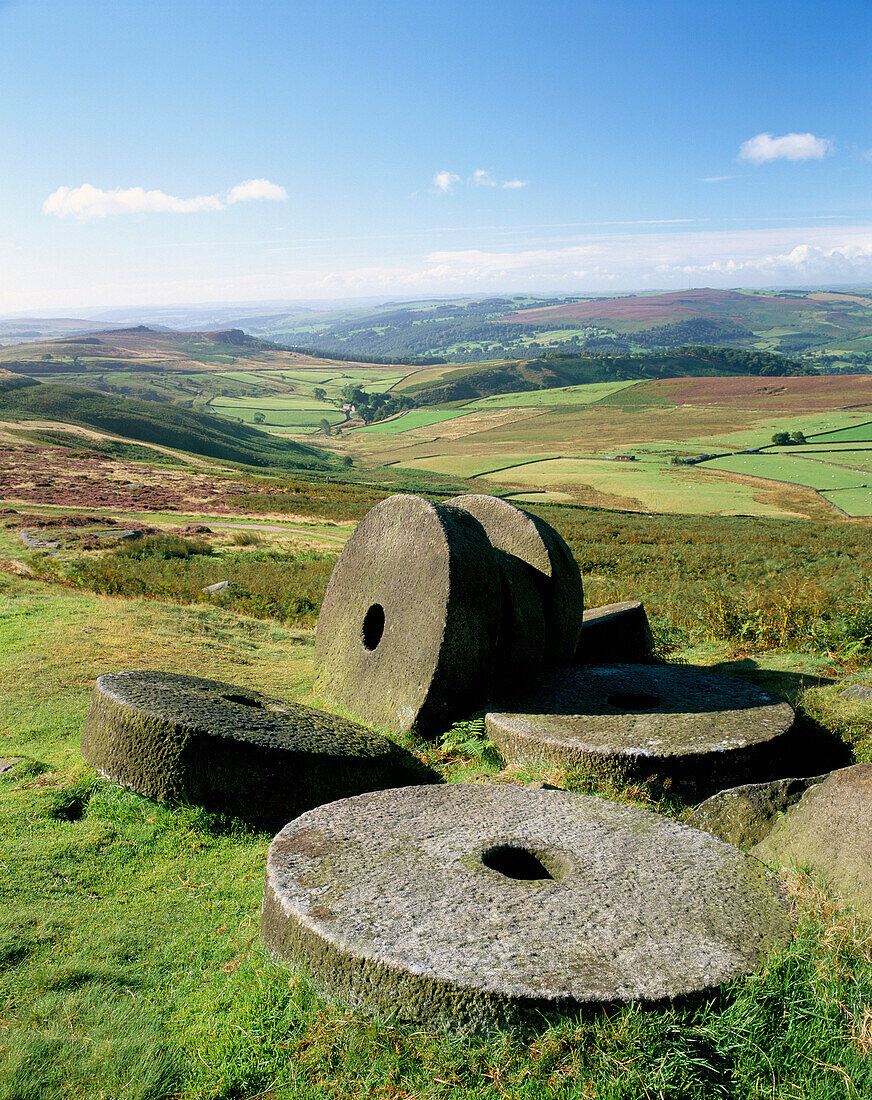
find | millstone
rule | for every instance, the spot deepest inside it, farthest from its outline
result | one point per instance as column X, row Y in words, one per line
column 178, row 738
column 829, row 831
column 532, row 540
column 408, row 630
column 688, row 725
column 615, row 633
column 488, row 903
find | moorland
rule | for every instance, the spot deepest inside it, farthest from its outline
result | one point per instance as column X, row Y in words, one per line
column 155, row 464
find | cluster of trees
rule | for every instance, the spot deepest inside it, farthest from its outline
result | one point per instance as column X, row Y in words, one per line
column 679, row 333
column 785, row 439
column 372, row 407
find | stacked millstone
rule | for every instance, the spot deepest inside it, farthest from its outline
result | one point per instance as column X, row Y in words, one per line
column 690, row 728
column 177, row 738
column 433, row 607
column 482, row 904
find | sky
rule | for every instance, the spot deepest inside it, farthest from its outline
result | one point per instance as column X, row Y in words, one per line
column 207, row 151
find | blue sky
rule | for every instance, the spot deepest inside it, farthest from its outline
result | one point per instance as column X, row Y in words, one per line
column 215, row 150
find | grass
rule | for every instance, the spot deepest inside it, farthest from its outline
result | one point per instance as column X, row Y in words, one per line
column 798, row 471
column 859, row 433
column 565, row 395
column 417, row 418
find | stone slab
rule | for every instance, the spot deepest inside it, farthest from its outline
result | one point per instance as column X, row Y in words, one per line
column 829, row 831
column 745, row 815
column 177, row 738
column 475, row 904
column 626, row 722
column 616, row 633
column 407, row 634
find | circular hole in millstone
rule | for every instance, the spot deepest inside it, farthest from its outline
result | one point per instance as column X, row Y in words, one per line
column 633, row 700
column 373, row 626
column 243, row 700
column 515, row 862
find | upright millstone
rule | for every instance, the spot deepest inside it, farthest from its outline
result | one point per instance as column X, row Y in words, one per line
column 534, row 542
column 408, row 630
column 480, row 904
column 627, row 722
column 177, row 738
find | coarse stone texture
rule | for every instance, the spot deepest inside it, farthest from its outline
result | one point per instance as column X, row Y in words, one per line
column 178, row 738
column 407, row 634
column 699, row 730
column 475, row 904
column 9, row 765
column 617, row 633
column 829, row 831
column 523, row 630
column 860, row 693
column 745, row 815
column 535, row 542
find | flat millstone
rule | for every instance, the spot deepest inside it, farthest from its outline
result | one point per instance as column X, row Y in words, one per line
column 627, row 721
column 177, row 738
column 405, row 902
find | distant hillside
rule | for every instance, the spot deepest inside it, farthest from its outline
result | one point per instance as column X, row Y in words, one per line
column 562, row 369
column 148, row 422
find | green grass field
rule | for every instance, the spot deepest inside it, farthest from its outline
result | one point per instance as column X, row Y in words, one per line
column 408, row 421
column 564, row 395
column 859, row 433
column 797, row 471
column 132, row 967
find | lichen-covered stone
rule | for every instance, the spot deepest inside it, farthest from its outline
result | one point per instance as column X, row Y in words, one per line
column 616, row 633
column 408, row 630
column 829, row 831
column 475, row 904
column 635, row 722
column 532, row 540
column 177, row 738
column 745, row 815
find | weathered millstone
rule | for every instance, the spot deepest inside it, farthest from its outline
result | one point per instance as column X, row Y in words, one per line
column 532, row 540
column 829, row 831
column 630, row 722
column 475, row 904
column 178, row 738
column 616, row 633
column 860, row 693
column 745, row 815
column 408, row 630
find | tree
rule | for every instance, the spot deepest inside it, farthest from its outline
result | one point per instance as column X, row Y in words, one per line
column 325, row 425
column 797, row 437
column 781, row 439
column 319, row 393
column 259, row 418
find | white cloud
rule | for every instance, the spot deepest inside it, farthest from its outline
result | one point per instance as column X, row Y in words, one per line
column 764, row 147
column 256, row 191
column 87, row 202
column 482, row 178
column 715, row 179
column 444, row 182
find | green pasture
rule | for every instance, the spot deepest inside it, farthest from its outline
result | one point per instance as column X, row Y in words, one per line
column 417, row 418
column 858, row 433
column 264, row 404
column 565, row 395
column 856, row 502
column 470, row 465
column 286, row 415
column 657, row 487
column 796, row 471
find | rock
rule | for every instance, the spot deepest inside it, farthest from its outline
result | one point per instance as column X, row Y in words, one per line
column 535, row 542
column 9, row 765
column 523, row 629
column 744, row 815
column 178, row 738
column 616, row 633
column 861, row 693
column 829, row 831
column 218, row 586
column 629, row 722
column 408, row 630
column 480, row 904
column 33, row 542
